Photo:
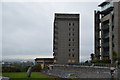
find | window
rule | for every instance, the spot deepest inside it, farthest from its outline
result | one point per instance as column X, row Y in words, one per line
column 73, row 24
column 55, row 60
column 72, row 39
column 69, row 50
column 73, row 34
column 69, row 45
column 69, row 24
column 69, row 39
column 69, row 34
column 73, row 29
column 73, row 55
column 72, row 49
column 73, row 61
column 69, row 60
column 69, row 55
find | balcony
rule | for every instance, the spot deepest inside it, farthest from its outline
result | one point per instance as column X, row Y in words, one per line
column 106, row 26
column 106, row 6
column 97, row 55
column 98, row 46
column 98, row 37
column 107, row 11
column 97, row 20
column 105, row 44
column 105, row 54
column 105, row 35
column 97, row 28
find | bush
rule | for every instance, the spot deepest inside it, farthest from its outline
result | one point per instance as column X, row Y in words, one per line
column 14, row 68
column 36, row 68
column 101, row 61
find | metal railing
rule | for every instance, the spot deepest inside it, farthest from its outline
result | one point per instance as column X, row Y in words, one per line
column 85, row 64
column 106, row 26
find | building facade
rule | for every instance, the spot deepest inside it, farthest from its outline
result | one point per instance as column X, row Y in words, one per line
column 66, row 38
column 107, row 30
column 44, row 62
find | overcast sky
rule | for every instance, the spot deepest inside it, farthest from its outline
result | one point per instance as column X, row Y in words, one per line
column 27, row 30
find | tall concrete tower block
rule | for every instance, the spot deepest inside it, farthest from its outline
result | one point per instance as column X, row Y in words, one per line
column 66, row 38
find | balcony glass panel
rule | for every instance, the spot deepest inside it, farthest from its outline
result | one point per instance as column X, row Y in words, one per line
column 98, row 46
column 105, row 35
column 106, row 26
column 105, row 44
column 107, row 6
column 98, row 37
column 105, row 54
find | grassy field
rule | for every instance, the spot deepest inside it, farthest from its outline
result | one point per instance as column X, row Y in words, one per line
column 34, row 76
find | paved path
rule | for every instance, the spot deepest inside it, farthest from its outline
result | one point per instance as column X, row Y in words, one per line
column 4, row 78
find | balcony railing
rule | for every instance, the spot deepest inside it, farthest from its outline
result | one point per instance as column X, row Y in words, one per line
column 98, row 46
column 105, row 44
column 97, row 28
column 107, row 6
column 98, row 37
column 105, row 35
column 105, row 54
column 106, row 26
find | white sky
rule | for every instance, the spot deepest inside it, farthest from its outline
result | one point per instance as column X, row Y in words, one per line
column 27, row 27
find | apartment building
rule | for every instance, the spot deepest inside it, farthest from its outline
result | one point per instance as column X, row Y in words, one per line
column 66, row 38
column 107, row 30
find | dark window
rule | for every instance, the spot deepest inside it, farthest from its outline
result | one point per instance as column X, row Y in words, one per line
column 69, row 50
column 73, row 29
column 69, row 45
column 73, row 34
column 73, row 24
column 72, row 39
column 69, row 39
column 69, row 34
column 73, row 55
column 72, row 49
column 69, row 24
column 69, row 54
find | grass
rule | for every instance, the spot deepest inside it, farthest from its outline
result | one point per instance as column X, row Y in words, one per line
column 0, row 74
column 34, row 76
column 23, row 75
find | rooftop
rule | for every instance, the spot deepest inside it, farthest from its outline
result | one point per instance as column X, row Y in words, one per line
column 44, row 59
column 104, row 3
column 66, row 15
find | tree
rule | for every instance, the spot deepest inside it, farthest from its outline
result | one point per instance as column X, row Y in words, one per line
column 114, row 56
column 36, row 68
column 92, row 56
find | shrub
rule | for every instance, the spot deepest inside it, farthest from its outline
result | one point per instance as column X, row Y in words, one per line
column 36, row 68
column 101, row 61
column 14, row 68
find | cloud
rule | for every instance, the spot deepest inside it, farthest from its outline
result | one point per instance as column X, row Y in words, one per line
column 28, row 27
column 0, row 31
column 53, row 0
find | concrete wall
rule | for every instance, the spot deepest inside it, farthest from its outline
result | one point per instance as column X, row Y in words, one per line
column 117, row 27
